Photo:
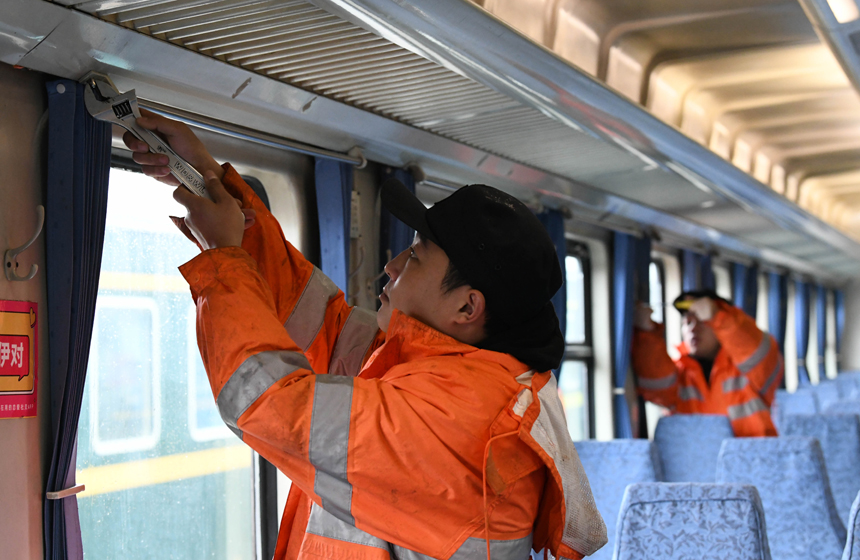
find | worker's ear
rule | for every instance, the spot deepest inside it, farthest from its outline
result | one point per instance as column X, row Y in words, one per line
column 473, row 308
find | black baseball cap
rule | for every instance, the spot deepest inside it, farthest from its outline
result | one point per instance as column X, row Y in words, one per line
column 503, row 250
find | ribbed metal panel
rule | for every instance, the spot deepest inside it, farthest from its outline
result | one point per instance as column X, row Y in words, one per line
column 298, row 43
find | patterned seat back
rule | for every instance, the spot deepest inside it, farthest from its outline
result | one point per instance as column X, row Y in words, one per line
column 843, row 407
column 801, row 401
column 789, row 474
column 689, row 445
column 852, row 544
column 839, row 436
column 826, row 393
column 674, row 521
column 848, row 383
column 611, row 466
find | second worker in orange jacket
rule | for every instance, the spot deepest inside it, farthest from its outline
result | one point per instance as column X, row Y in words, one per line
column 727, row 365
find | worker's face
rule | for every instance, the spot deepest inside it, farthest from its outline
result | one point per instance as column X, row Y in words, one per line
column 699, row 337
column 415, row 286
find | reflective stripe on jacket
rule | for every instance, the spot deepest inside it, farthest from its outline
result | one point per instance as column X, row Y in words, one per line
column 744, row 378
column 393, row 450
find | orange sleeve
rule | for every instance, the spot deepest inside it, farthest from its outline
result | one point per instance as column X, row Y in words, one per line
column 308, row 304
column 656, row 374
column 755, row 353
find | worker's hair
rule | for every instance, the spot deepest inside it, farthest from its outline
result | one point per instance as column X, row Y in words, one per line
column 454, row 279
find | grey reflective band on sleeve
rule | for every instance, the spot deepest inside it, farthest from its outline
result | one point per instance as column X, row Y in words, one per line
column 757, row 356
column 656, row 384
column 324, row 524
column 734, row 384
column 772, row 379
column 690, row 394
column 738, row 411
column 515, row 549
column 355, row 337
column 329, row 444
column 307, row 318
column 252, row 379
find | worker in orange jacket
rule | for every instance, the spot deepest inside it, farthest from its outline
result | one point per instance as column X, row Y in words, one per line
column 431, row 429
column 727, row 365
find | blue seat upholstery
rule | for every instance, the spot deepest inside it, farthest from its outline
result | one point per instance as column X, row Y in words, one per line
column 611, row 466
column 826, row 393
column 801, row 401
column 674, row 521
column 839, row 436
column 789, row 474
column 689, row 445
column 852, row 544
column 849, row 384
column 843, row 407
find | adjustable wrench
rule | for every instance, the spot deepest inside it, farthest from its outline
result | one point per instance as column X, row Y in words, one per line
column 105, row 103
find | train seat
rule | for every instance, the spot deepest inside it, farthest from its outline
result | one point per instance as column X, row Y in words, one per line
column 844, row 407
column 849, row 384
column 852, row 544
column 689, row 520
column 801, row 401
column 611, row 466
column 689, row 445
column 789, row 474
column 839, row 436
column 826, row 393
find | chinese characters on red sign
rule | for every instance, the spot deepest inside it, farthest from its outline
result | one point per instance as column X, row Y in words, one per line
column 18, row 359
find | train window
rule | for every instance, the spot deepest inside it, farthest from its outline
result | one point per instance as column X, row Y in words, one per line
column 722, row 281
column 204, row 420
column 123, row 371
column 575, row 300
column 187, row 493
column 656, row 291
column 574, row 383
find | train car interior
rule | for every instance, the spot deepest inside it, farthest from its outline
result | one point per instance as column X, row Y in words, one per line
column 667, row 146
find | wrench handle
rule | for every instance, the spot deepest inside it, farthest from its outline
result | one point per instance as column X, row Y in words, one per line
column 180, row 168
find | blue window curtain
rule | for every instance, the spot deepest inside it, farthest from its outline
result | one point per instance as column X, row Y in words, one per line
column 839, row 304
column 745, row 288
column 394, row 235
column 334, row 198
column 777, row 304
column 821, row 326
column 77, row 184
column 698, row 274
column 553, row 221
column 628, row 256
column 801, row 324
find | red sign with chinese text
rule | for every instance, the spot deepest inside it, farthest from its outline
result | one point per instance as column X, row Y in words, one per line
column 18, row 358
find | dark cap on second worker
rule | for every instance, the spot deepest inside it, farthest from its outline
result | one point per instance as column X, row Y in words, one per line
column 493, row 239
column 682, row 302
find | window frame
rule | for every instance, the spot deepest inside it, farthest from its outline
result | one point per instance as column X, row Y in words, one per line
column 132, row 444
column 584, row 351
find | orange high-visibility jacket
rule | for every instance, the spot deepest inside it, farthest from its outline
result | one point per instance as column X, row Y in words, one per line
column 744, row 378
column 405, row 446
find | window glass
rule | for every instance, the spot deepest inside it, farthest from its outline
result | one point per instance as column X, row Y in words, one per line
column 655, row 279
column 204, row 420
column 575, row 300
column 161, row 481
column 573, row 392
column 123, row 375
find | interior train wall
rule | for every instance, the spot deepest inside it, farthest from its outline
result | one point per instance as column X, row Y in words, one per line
column 24, row 442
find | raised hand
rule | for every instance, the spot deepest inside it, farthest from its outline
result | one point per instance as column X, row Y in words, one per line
column 214, row 223
column 183, row 141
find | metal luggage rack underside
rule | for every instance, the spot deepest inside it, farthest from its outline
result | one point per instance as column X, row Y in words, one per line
column 300, row 44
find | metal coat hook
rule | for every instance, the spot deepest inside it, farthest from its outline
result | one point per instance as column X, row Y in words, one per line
column 11, row 264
